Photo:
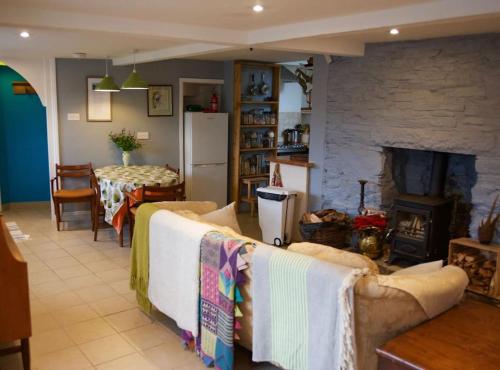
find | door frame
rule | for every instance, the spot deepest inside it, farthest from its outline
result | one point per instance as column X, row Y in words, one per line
column 41, row 74
column 182, row 82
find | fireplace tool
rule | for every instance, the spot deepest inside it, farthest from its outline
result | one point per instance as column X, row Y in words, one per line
column 361, row 208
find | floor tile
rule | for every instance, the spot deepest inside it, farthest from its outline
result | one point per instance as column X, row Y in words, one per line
column 111, row 305
column 62, row 300
column 43, row 322
column 50, row 341
column 74, row 315
column 61, row 262
column 51, row 255
column 72, row 271
column 101, row 266
column 121, row 287
column 171, row 354
column 67, row 359
column 134, row 361
column 96, row 293
column 87, row 331
column 83, row 281
column 40, row 277
column 90, row 256
column 129, row 319
column 50, row 288
column 147, row 336
column 106, row 349
column 113, row 275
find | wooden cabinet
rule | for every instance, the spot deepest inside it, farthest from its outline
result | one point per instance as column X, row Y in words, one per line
column 255, row 122
column 15, row 319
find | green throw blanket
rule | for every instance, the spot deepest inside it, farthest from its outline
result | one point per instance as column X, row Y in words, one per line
column 139, row 263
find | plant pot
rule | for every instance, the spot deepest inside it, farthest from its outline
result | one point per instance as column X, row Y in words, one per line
column 126, row 158
column 485, row 233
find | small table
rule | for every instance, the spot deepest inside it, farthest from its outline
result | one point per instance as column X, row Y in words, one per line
column 465, row 337
column 252, row 184
column 116, row 180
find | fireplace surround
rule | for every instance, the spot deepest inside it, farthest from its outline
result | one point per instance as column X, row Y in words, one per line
column 440, row 95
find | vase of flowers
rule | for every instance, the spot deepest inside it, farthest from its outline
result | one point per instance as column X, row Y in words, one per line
column 126, row 142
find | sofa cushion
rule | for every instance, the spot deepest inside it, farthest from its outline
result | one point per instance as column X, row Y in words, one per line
column 334, row 255
column 224, row 217
column 422, row 268
column 193, row 206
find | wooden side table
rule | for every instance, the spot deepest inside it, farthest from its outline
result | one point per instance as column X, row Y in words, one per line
column 465, row 337
column 251, row 184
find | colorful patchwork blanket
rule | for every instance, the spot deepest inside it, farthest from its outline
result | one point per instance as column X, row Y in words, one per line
column 220, row 279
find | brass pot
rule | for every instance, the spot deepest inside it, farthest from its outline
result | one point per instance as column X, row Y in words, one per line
column 371, row 241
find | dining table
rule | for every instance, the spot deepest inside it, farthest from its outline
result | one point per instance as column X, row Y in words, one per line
column 116, row 181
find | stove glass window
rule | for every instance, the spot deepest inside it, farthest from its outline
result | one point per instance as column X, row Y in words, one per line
column 411, row 225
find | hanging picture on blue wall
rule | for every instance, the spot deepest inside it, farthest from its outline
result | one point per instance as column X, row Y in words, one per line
column 98, row 102
column 160, row 100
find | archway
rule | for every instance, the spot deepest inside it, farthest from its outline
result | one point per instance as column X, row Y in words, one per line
column 24, row 162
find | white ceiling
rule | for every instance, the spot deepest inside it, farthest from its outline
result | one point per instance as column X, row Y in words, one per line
column 286, row 30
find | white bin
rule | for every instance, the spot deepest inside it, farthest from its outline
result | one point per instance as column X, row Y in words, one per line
column 276, row 207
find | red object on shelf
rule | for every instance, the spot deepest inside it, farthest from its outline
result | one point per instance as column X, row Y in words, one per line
column 214, row 103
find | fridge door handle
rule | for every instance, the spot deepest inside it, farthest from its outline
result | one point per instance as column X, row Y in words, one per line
column 209, row 165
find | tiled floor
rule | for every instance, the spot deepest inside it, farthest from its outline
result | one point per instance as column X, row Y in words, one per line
column 83, row 314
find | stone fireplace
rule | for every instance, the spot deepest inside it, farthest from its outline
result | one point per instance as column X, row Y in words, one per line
column 440, row 95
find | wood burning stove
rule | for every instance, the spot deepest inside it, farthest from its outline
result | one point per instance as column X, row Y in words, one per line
column 421, row 228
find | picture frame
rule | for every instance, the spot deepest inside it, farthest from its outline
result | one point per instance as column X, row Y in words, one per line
column 160, row 101
column 98, row 102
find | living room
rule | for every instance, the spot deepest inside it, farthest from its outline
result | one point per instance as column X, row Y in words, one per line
column 331, row 167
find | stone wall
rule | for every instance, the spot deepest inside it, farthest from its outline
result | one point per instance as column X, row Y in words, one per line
column 441, row 95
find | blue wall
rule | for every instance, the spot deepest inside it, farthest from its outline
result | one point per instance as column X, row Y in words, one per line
column 24, row 164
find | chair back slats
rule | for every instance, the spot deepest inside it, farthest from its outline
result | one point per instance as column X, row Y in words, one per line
column 163, row 193
column 173, row 169
column 81, row 170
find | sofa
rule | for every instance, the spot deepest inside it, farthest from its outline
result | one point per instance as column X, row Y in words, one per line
column 381, row 310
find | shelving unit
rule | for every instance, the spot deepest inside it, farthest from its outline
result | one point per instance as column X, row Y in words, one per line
column 243, row 102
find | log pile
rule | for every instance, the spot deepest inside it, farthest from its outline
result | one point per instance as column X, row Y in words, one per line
column 478, row 267
column 326, row 215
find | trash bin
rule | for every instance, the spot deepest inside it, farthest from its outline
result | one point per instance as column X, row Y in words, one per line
column 276, row 207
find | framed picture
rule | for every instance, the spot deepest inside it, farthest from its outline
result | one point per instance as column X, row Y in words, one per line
column 160, row 100
column 98, row 102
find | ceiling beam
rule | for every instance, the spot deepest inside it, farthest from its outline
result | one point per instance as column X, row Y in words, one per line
column 324, row 46
column 175, row 52
column 411, row 14
column 30, row 16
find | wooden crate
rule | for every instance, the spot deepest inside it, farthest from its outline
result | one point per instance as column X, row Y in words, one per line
column 479, row 261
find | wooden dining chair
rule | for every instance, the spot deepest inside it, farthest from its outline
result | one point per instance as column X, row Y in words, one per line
column 15, row 318
column 99, row 212
column 173, row 169
column 151, row 194
column 62, row 195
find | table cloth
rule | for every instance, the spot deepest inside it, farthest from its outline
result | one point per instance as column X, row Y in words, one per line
column 116, row 180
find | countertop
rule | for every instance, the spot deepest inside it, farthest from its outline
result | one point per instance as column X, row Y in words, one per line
column 293, row 161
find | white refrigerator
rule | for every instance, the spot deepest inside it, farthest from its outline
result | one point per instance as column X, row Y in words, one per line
column 206, row 156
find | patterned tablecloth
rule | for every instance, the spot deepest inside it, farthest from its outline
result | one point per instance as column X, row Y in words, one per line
column 116, row 180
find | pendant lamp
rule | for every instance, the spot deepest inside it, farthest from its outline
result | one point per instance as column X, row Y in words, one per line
column 134, row 81
column 107, row 83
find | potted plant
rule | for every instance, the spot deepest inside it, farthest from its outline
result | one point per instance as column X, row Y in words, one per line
column 127, row 142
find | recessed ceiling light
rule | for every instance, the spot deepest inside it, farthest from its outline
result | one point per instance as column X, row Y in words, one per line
column 394, row 31
column 258, row 8
column 24, row 34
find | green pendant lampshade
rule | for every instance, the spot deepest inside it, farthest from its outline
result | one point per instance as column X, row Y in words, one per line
column 107, row 83
column 135, row 82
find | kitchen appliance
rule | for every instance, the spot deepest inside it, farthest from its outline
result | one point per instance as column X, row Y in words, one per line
column 287, row 136
column 296, row 136
column 206, row 156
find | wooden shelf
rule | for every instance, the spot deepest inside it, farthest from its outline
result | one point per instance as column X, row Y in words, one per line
column 254, row 176
column 258, row 126
column 256, row 149
column 259, row 102
column 242, row 102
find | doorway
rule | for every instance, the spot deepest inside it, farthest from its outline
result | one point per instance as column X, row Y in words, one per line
column 24, row 163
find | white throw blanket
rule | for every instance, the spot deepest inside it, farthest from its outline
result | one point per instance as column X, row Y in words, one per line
column 174, row 267
column 303, row 317
column 431, row 290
